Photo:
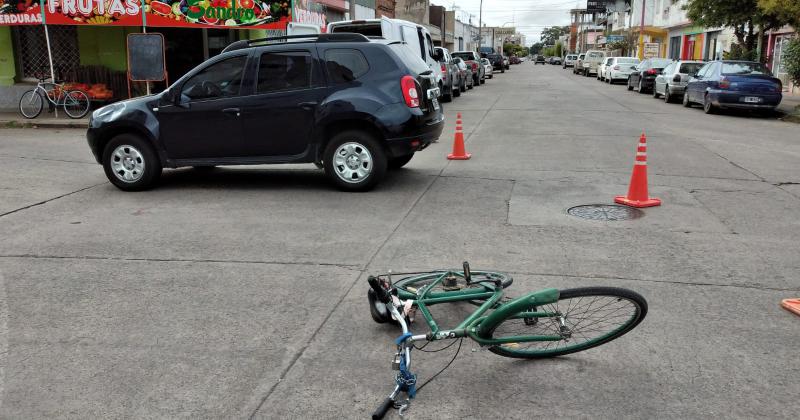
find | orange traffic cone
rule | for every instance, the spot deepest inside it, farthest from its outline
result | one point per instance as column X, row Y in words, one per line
column 637, row 191
column 459, row 152
column 791, row 305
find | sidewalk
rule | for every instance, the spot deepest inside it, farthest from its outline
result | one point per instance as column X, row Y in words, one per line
column 45, row 119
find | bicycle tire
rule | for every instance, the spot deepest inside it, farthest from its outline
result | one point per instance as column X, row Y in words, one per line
column 77, row 99
column 415, row 283
column 35, row 102
column 550, row 326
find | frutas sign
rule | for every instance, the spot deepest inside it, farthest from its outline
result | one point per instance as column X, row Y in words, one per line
column 93, row 12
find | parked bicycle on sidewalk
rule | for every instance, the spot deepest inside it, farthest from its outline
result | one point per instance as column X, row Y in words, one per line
column 74, row 102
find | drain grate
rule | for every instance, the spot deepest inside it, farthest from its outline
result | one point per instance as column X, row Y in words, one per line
column 608, row 212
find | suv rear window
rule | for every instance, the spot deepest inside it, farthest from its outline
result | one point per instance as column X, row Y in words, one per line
column 464, row 55
column 366, row 29
column 345, row 65
column 409, row 57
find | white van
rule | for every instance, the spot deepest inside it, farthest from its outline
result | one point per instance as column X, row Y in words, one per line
column 416, row 36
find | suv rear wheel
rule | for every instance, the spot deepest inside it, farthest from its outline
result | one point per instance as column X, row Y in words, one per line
column 131, row 163
column 354, row 161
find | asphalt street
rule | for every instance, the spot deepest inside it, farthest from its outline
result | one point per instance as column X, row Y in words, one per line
column 242, row 293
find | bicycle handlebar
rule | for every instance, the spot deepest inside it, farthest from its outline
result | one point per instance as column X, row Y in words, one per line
column 383, row 408
column 380, row 292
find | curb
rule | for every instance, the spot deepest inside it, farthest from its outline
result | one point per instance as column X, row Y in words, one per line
column 43, row 124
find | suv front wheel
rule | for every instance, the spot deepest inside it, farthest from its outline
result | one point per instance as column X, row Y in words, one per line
column 354, row 161
column 131, row 163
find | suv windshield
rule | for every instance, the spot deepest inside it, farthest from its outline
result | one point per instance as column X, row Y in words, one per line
column 744, row 68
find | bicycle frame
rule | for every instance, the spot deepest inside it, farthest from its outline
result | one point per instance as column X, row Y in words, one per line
column 478, row 325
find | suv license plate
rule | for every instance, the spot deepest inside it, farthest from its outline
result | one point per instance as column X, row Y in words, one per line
column 435, row 104
column 752, row 99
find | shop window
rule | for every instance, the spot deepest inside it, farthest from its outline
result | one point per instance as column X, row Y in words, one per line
column 31, row 51
column 219, row 80
column 345, row 65
column 281, row 71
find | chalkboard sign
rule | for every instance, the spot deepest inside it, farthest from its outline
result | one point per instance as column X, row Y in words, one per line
column 146, row 57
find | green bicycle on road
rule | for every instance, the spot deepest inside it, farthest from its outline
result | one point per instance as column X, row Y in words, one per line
column 545, row 323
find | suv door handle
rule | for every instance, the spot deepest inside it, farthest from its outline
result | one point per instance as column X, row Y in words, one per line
column 307, row 105
column 236, row 111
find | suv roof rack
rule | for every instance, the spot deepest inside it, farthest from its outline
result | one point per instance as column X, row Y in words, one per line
column 336, row 37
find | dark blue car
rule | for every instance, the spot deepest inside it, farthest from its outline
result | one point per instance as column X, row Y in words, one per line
column 733, row 84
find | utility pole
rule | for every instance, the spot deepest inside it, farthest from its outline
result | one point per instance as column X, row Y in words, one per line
column 352, row 9
column 641, row 33
column 480, row 26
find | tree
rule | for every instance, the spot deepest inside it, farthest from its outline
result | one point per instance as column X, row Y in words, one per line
column 744, row 16
column 787, row 10
column 791, row 60
column 535, row 48
column 550, row 35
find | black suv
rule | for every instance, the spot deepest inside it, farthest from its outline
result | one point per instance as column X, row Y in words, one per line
column 497, row 62
column 352, row 105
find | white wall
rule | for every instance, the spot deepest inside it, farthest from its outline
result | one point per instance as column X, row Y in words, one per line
column 363, row 12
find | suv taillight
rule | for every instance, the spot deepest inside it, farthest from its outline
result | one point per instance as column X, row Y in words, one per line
column 651, row 71
column 474, row 66
column 444, row 68
column 410, row 91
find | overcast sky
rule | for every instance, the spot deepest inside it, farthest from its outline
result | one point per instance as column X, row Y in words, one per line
column 529, row 16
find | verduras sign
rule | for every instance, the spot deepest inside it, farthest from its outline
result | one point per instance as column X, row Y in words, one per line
column 20, row 12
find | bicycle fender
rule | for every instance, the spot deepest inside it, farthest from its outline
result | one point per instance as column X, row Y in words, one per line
column 519, row 304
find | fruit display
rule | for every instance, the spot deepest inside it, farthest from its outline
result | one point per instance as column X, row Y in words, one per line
column 223, row 13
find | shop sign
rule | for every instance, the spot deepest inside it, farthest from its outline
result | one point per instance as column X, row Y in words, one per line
column 245, row 14
column 614, row 38
column 651, row 49
column 93, row 12
column 20, row 12
column 310, row 13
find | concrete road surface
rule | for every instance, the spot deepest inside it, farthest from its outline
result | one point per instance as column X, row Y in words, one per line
column 242, row 293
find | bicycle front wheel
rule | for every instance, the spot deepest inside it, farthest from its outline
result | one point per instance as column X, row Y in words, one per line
column 30, row 104
column 591, row 316
column 76, row 104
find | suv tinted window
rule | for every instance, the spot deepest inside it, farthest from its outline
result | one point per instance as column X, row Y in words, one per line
column 219, row 80
column 345, row 65
column 409, row 57
column 279, row 71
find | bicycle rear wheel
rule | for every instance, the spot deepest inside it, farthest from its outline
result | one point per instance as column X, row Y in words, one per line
column 76, row 104
column 592, row 316
column 30, row 104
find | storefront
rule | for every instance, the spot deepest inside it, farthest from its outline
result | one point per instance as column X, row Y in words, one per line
column 655, row 42
column 88, row 38
column 776, row 45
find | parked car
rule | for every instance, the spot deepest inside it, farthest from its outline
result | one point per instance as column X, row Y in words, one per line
column 569, row 60
column 601, row 69
column 417, row 36
column 539, row 60
column 733, row 84
column 353, row 105
column 465, row 74
column 578, row 62
column 450, row 82
column 472, row 59
column 555, row 60
column 644, row 74
column 589, row 63
column 488, row 68
column 497, row 62
column 619, row 68
column 671, row 82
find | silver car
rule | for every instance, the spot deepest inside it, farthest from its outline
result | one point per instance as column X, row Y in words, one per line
column 619, row 68
column 673, row 79
column 569, row 60
column 488, row 66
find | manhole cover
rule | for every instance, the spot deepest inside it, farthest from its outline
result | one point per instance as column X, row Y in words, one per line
column 609, row 212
